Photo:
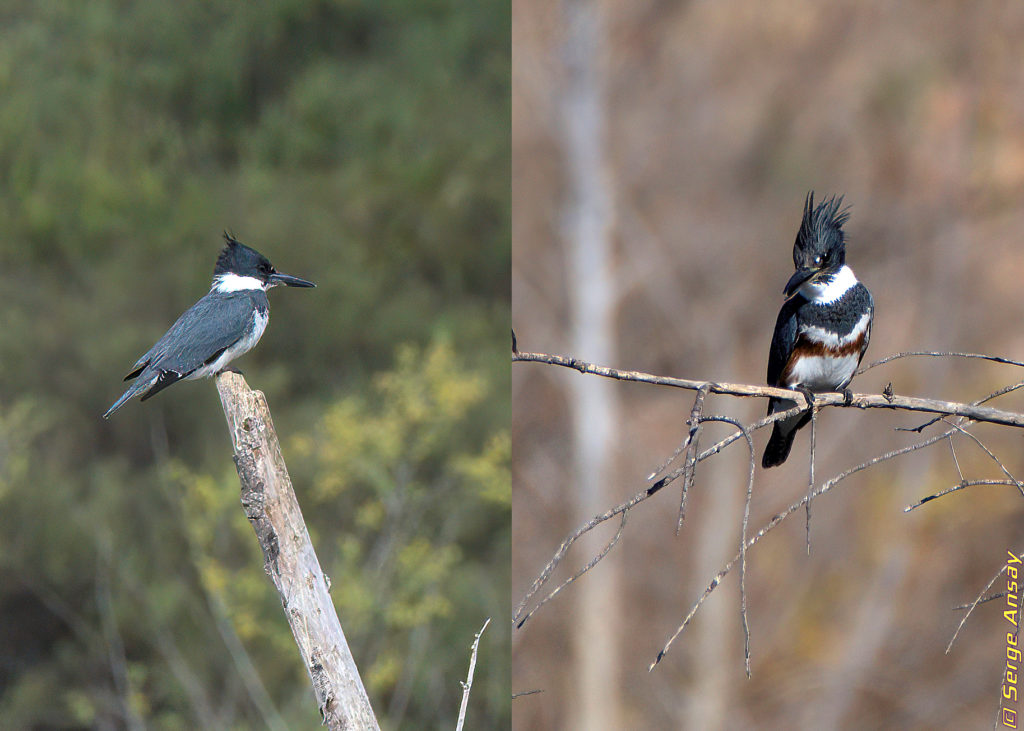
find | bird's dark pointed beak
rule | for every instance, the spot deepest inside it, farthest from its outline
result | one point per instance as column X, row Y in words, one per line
column 288, row 280
column 800, row 276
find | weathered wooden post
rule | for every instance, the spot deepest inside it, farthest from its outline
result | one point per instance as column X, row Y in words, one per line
column 289, row 558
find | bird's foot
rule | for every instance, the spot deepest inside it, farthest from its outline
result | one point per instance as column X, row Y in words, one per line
column 847, row 397
column 230, row 369
column 808, row 394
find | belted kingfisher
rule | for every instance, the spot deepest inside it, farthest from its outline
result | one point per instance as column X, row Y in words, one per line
column 824, row 326
column 227, row 322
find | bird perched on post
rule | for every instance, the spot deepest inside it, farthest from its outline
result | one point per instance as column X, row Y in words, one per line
column 227, row 322
column 824, row 326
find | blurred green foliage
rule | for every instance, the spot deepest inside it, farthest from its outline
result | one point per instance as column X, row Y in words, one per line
column 363, row 145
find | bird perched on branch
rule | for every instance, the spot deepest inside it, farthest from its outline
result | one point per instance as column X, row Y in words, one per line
column 824, row 326
column 227, row 322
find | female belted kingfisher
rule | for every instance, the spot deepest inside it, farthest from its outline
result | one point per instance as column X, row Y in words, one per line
column 228, row 321
column 823, row 328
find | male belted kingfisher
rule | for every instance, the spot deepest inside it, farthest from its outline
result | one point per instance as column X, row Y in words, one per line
column 228, row 321
column 824, row 326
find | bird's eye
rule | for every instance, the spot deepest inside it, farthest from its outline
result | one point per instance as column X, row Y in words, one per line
column 817, row 260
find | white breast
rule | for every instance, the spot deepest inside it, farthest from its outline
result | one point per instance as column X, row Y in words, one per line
column 823, row 374
column 244, row 345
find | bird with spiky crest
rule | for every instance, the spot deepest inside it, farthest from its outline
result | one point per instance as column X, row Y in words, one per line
column 225, row 323
column 825, row 323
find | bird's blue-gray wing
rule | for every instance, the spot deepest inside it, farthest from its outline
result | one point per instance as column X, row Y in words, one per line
column 783, row 340
column 871, row 321
column 212, row 324
column 203, row 332
column 199, row 336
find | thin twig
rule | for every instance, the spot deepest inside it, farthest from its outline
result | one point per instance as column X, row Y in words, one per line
column 521, row 693
column 778, row 518
column 989, row 598
column 939, row 354
column 690, row 463
column 959, row 486
column 975, row 603
column 861, row 401
column 686, row 441
column 468, row 685
column 591, row 564
column 989, row 453
column 810, row 483
column 518, row 616
column 956, row 462
column 671, row 458
column 995, row 394
column 743, row 537
column 973, row 412
column 1008, row 418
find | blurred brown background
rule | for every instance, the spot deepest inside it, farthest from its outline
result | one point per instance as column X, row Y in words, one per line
column 661, row 154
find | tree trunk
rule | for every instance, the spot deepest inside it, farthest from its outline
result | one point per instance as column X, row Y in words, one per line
column 593, row 296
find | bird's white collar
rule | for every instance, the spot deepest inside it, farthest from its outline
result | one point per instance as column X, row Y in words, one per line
column 224, row 283
column 824, row 293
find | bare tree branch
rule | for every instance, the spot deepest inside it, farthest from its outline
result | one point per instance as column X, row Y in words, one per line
column 520, row 616
column 956, row 462
column 977, row 600
column 989, row 453
column 810, row 483
column 468, row 685
column 779, row 517
column 940, row 354
column 959, row 486
column 995, row 394
column 593, row 562
column 694, row 418
column 743, row 536
column 974, row 412
column 690, row 463
column 989, row 598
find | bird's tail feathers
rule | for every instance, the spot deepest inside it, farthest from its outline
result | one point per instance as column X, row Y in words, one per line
column 781, row 441
column 778, row 447
column 136, row 388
